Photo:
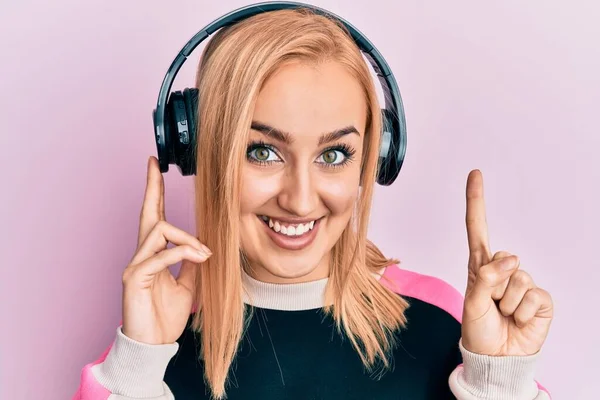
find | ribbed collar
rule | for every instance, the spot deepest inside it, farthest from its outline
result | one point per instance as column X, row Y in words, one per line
column 284, row 297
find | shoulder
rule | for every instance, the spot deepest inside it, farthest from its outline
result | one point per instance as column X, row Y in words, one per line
column 424, row 288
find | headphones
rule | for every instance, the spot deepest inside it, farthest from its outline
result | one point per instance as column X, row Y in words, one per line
column 175, row 121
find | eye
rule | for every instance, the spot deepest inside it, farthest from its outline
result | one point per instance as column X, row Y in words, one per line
column 261, row 153
column 333, row 157
column 337, row 156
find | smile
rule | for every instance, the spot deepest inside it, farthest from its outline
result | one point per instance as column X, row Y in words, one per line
column 288, row 229
column 290, row 236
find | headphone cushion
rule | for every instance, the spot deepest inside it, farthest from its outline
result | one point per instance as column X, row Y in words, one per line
column 173, row 113
column 180, row 132
column 391, row 150
column 190, row 98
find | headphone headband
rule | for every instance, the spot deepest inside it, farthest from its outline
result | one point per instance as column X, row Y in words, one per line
column 393, row 100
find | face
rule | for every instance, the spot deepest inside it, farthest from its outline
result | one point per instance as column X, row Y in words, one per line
column 301, row 176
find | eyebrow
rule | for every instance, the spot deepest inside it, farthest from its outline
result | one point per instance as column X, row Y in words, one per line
column 286, row 138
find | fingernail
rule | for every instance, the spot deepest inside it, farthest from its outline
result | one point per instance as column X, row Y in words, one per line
column 202, row 254
column 509, row 263
column 207, row 250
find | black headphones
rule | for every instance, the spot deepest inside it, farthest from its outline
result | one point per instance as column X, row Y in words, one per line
column 175, row 121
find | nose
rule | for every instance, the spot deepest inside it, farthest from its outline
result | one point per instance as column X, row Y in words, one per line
column 298, row 196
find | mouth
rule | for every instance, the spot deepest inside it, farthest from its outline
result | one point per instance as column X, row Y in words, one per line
column 290, row 236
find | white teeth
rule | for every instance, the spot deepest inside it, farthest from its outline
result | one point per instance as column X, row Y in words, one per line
column 298, row 230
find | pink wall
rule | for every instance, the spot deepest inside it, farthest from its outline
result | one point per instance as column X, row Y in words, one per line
column 511, row 88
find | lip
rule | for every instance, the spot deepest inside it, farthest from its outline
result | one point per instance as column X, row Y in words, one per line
column 292, row 242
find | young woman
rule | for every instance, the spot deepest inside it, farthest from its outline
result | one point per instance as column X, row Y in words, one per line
column 281, row 295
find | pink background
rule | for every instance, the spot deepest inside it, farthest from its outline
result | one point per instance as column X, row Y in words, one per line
column 511, row 88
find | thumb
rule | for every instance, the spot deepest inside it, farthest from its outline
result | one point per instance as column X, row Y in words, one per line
column 187, row 275
column 489, row 277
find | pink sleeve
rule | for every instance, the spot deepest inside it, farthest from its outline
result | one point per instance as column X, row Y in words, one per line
column 89, row 388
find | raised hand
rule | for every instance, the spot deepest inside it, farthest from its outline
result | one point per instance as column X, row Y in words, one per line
column 156, row 305
column 504, row 312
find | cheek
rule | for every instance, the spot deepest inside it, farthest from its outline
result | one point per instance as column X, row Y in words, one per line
column 339, row 195
column 257, row 189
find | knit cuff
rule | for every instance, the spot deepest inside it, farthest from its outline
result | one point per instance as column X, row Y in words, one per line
column 134, row 369
column 494, row 378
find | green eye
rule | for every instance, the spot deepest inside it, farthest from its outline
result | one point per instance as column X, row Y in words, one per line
column 330, row 157
column 262, row 154
column 333, row 158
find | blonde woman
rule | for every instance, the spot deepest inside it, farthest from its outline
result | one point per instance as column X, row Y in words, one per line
column 281, row 295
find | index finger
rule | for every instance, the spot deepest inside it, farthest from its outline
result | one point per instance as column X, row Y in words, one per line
column 477, row 230
column 153, row 206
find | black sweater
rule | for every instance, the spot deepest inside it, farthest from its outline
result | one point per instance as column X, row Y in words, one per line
column 292, row 350
column 301, row 355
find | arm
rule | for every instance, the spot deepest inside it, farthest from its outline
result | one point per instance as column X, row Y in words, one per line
column 496, row 378
column 129, row 369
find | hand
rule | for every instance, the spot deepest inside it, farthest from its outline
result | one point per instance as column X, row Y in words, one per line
column 156, row 306
column 505, row 313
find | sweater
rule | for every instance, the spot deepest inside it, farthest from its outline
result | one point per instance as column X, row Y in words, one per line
column 291, row 349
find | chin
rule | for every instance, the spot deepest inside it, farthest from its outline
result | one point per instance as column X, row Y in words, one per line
column 277, row 266
column 297, row 268
column 283, row 259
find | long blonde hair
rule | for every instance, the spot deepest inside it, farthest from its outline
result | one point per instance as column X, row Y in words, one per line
column 234, row 65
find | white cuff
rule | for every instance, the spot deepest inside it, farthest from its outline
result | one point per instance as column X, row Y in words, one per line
column 134, row 369
column 495, row 378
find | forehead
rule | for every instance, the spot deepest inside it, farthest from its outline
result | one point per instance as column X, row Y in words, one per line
column 307, row 100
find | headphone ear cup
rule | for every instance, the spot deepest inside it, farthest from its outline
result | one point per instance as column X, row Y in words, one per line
column 392, row 148
column 179, row 137
column 166, row 151
column 189, row 152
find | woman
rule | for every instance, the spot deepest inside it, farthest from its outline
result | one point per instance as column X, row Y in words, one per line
column 281, row 295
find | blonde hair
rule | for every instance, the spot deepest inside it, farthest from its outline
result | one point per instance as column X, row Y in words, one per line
column 234, row 65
